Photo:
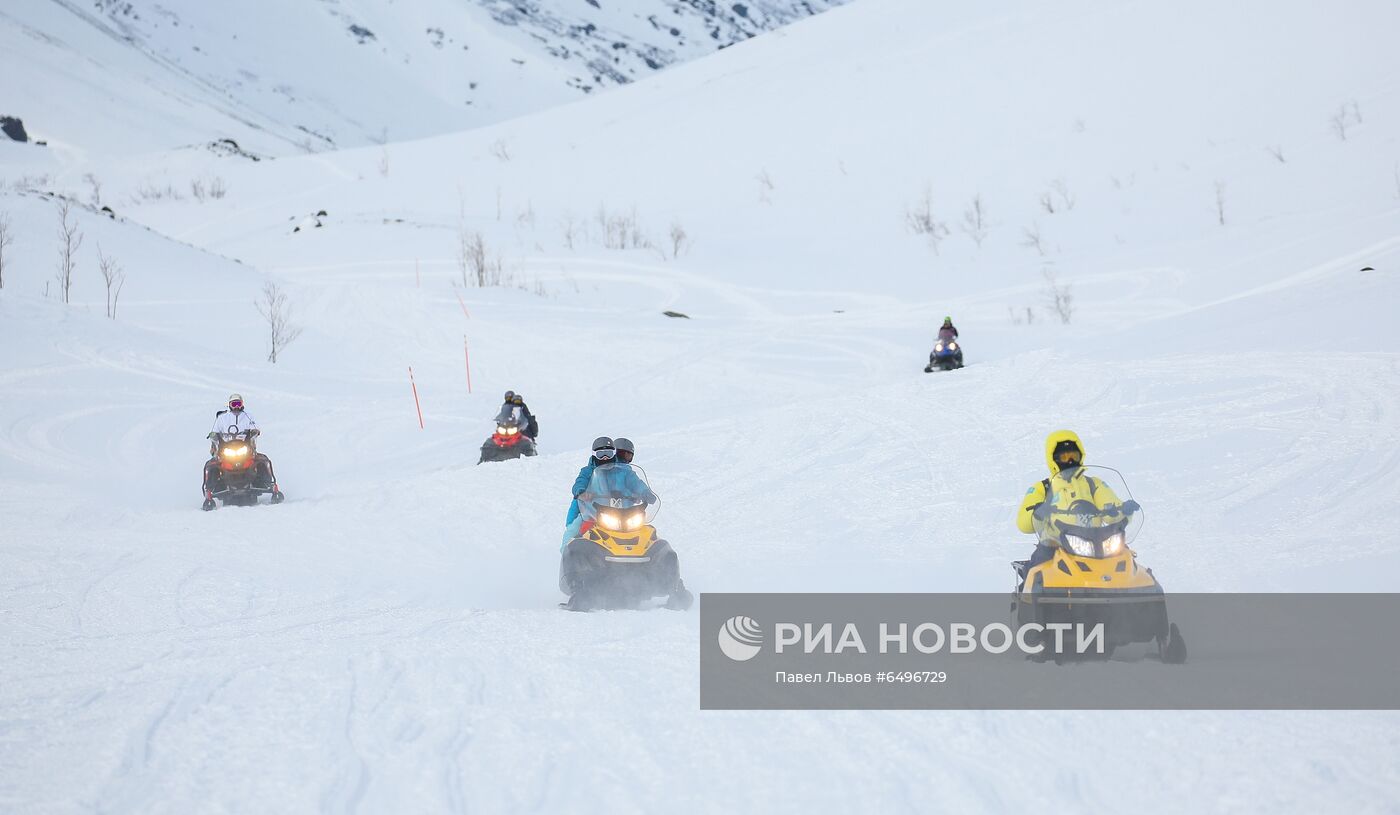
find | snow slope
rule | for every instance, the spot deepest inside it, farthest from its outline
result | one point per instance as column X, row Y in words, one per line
column 387, row 639
column 285, row 77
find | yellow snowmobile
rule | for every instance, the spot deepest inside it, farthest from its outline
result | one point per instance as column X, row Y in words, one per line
column 617, row 560
column 1089, row 518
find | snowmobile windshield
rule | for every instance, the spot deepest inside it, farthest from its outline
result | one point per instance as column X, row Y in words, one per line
column 1089, row 511
column 617, row 493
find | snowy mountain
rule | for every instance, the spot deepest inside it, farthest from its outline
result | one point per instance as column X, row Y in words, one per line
column 1212, row 192
column 280, row 77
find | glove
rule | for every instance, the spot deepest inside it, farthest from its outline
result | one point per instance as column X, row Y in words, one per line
column 1131, row 507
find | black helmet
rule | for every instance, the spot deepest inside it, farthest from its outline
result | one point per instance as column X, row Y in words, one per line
column 517, row 399
column 509, row 396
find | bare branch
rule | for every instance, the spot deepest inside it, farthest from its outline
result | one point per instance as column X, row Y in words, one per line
column 1031, row 238
column 274, row 308
column 7, row 239
column 1058, row 297
column 70, row 237
column 975, row 220
column 1220, row 201
column 114, row 277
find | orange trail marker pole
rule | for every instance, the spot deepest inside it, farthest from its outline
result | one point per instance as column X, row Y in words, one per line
column 462, row 303
column 416, row 403
column 467, row 352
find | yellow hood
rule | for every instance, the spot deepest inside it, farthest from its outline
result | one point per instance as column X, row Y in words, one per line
column 1054, row 439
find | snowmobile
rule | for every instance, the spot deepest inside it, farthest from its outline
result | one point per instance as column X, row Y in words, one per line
column 238, row 474
column 947, row 355
column 508, row 442
column 617, row 560
column 1089, row 517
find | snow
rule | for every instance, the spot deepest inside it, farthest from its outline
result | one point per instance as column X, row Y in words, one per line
column 387, row 640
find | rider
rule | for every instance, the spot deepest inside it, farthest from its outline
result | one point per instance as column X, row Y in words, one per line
column 235, row 422
column 513, row 410
column 947, row 331
column 603, row 452
column 625, row 479
column 1064, row 454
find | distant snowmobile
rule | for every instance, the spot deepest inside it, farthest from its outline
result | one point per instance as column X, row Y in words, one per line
column 1089, row 518
column 506, row 443
column 238, row 474
column 618, row 561
column 947, row 355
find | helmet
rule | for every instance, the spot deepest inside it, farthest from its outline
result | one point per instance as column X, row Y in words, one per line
column 517, row 399
column 509, row 396
column 625, row 449
column 1063, row 449
column 947, row 320
column 235, row 401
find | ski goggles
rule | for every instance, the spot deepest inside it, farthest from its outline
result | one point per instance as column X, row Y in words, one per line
column 604, row 454
column 236, row 404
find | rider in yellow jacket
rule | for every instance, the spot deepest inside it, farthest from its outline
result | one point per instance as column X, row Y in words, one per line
column 1064, row 455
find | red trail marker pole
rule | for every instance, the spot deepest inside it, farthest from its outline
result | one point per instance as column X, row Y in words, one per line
column 467, row 352
column 462, row 303
column 416, row 403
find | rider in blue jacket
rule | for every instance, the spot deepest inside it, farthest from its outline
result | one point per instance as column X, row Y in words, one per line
column 603, row 452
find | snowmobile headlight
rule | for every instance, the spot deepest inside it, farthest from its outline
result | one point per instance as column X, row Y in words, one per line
column 500, row 430
column 1113, row 544
column 1079, row 546
column 611, row 520
column 952, row 346
column 635, row 522
column 511, row 431
column 938, row 348
column 235, row 452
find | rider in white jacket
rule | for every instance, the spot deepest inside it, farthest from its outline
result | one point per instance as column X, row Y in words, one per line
column 236, row 422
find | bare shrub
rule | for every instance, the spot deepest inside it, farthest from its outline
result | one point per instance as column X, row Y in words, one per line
column 384, row 162
column 96, row 187
column 765, row 186
column 70, row 237
column 1346, row 115
column 1220, row 201
column 114, row 276
column 197, row 190
column 500, row 149
column 622, row 230
column 1276, row 150
column 274, row 308
column 975, row 220
column 153, row 192
column 475, row 261
column 1061, row 189
column 1031, row 238
column 920, row 220
column 1058, row 297
column 680, row 240
column 1047, row 202
column 526, row 217
column 573, row 229
column 7, row 239
column 217, row 188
